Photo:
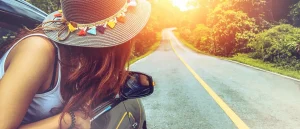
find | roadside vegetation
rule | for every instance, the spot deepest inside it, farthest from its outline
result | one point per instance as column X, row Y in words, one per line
column 263, row 33
column 146, row 50
column 246, row 59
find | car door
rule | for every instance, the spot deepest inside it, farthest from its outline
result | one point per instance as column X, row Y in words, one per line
column 115, row 116
column 136, row 113
column 7, row 33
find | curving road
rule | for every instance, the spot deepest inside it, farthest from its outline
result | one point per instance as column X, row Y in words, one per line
column 250, row 97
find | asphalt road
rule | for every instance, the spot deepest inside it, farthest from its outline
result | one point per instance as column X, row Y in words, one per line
column 259, row 99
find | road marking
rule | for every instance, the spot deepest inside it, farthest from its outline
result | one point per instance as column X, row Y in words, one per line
column 284, row 76
column 140, row 112
column 230, row 113
column 121, row 120
column 278, row 74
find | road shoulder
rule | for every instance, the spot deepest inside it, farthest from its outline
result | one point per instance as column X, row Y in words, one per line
column 258, row 65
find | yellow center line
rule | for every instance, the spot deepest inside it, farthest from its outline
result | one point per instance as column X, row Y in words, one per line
column 230, row 113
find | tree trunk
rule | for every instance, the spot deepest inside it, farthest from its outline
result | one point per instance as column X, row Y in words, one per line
column 271, row 10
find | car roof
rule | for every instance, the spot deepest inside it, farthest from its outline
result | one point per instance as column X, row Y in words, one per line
column 21, row 10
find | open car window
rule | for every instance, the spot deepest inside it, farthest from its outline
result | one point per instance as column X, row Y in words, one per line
column 7, row 33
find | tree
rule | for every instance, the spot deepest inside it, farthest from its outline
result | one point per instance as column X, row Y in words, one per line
column 295, row 14
column 226, row 25
column 201, row 38
column 48, row 6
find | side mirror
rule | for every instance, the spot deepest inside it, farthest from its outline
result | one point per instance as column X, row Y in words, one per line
column 137, row 85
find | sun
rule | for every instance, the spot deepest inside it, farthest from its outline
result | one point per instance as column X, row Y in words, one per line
column 181, row 4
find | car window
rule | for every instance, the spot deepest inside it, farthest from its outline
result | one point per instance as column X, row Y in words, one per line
column 7, row 33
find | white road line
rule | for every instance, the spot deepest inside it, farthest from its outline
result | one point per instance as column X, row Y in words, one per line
column 284, row 76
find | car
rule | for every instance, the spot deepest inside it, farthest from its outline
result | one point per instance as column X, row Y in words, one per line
column 125, row 111
column 15, row 15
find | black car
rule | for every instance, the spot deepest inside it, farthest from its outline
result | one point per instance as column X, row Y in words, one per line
column 122, row 112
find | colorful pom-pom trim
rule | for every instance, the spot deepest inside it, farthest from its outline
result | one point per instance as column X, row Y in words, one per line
column 58, row 15
column 99, row 26
column 92, row 31
column 100, row 29
column 81, row 32
column 71, row 27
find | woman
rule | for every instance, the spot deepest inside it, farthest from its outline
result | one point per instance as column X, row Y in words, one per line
column 54, row 75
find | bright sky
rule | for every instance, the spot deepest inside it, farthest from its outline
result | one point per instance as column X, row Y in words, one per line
column 182, row 4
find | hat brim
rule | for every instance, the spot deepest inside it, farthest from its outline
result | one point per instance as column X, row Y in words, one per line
column 136, row 19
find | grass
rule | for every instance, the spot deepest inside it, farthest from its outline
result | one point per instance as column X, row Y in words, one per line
column 245, row 59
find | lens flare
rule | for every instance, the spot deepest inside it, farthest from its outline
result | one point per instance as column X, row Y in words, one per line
column 182, row 4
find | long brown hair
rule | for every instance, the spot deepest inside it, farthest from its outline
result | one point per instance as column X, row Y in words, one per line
column 98, row 74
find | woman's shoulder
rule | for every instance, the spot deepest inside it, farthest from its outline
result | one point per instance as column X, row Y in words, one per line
column 35, row 47
column 36, row 44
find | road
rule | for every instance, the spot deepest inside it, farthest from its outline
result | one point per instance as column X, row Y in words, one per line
column 244, row 97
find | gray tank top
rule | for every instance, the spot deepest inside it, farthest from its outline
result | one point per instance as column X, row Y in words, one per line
column 42, row 105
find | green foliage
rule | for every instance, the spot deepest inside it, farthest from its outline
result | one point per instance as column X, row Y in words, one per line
column 185, row 33
column 228, row 28
column 242, row 40
column 144, row 40
column 254, row 8
column 48, row 6
column 248, row 26
column 227, row 33
column 279, row 45
column 201, row 37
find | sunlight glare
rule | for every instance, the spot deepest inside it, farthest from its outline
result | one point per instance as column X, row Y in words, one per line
column 181, row 4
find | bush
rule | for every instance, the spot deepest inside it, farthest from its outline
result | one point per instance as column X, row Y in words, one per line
column 185, row 33
column 279, row 45
column 201, row 38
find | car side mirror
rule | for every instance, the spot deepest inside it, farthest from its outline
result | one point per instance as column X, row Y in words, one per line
column 137, row 85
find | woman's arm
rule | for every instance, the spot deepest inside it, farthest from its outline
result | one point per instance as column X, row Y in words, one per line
column 50, row 123
column 82, row 122
column 28, row 69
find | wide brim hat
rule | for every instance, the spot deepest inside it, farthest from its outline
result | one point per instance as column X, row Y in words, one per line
column 97, row 23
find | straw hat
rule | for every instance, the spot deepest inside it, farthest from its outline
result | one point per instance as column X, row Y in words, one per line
column 97, row 23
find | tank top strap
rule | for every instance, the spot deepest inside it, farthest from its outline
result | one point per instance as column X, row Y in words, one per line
column 35, row 34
